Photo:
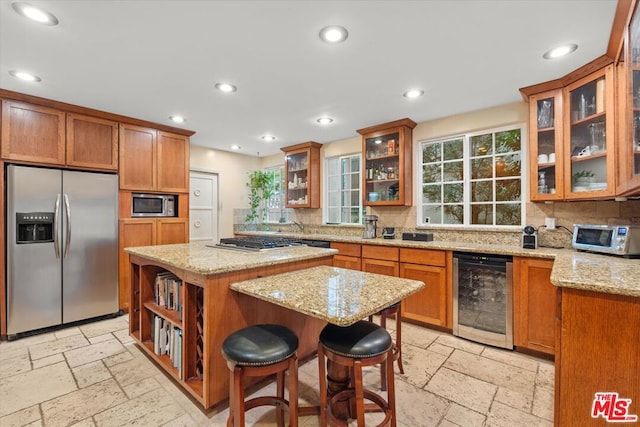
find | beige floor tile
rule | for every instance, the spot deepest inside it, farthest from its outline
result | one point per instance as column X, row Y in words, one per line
column 515, row 399
column 543, row 403
column 504, row 416
column 87, row 422
column 419, row 365
column 546, row 375
column 14, row 366
column 101, row 338
column 459, row 343
column 461, row 416
column 67, row 332
column 141, row 387
column 511, row 358
column 45, row 349
column 125, row 356
column 123, row 336
column 150, row 409
column 91, row 373
column 94, row 352
column 493, row 372
column 441, row 349
column 34, row 424
column 183, row 421
column 416, row 335
column 104, row 326
column 22, row 417
column 462, row 389
column 56, row 358
column 10, row 350
column 81, row 404
column 132, row 371
column 24, row 390
column 419, row 407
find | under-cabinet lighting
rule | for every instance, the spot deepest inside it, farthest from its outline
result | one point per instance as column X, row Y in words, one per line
column 23, row 75
column 560, row 51
column 35, row 13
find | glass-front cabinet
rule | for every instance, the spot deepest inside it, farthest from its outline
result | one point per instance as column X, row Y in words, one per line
column 302, row 174
column 589, row 151
column 546, row 150
column 386, row 171
column 629, row 108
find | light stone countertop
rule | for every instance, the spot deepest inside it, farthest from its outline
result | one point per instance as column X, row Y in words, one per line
column 198, row 258
column 337, row 295
column 571, row 269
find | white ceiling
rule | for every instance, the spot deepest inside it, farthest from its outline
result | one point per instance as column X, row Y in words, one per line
column 150, row 59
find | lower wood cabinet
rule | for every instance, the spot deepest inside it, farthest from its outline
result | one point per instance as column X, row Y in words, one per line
column 534, row 305
column 380, row 259
column 145, row 232
column 348, row 255
column 432, row 304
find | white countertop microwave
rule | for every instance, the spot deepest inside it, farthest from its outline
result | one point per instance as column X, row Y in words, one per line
column 623, row 240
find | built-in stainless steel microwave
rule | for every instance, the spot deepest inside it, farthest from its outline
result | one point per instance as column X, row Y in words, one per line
column 153, row 205
column 621, row 240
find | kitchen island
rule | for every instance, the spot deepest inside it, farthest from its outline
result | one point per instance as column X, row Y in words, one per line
column 209, row 309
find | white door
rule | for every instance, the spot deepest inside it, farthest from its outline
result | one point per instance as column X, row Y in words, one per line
column 203, row 206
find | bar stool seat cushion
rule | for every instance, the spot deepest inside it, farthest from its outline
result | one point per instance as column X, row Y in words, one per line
column 259, row 345
column 362, row 339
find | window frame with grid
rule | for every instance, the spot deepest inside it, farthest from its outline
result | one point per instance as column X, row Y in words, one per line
column 343, row 190
column 277, row 213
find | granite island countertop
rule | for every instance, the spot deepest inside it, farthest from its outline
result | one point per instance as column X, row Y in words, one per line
column 198, row 258
column 571, row 269
column 337, row 295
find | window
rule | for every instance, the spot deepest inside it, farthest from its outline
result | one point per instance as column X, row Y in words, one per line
column 276, row 212
column 474, row 179
column 343, row 200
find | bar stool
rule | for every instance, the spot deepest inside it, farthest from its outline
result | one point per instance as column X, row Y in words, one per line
column 261, row 350
column 357, row 346
column 395, row 309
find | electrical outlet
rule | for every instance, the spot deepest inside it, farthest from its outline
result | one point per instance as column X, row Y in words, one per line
column 550, row 223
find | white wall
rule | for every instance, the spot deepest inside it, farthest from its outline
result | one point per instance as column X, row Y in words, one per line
column 232, row 170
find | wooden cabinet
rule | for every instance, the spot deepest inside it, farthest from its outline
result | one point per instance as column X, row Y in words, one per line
column 153, row 160
column 597, row 352
column 432, row 304
column 546, row 147
column 145, row 232
column 380, row 259
column 386, row 172
column 348, row 256
column 39, row 134
column 589, row 135
column 302, row 175
column 92, row 143
column 628, row 108
column 534, row 305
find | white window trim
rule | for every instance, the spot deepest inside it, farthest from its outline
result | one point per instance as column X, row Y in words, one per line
column 325, row 191
column 524, row 179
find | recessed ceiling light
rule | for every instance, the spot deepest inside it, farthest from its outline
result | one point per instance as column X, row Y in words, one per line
column 413, row 93
column 235, row 147
column 324, row 120
column 334, row 34
column 226, row 87
column 268, row 138
column 177, row 119
column 560, row 51
column 23, row 75
column 35, row 13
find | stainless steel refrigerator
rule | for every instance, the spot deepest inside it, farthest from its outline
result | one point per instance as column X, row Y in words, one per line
column 62, row 247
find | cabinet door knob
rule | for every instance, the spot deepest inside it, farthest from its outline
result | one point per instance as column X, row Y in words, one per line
column 197, row 223
column 196, row 193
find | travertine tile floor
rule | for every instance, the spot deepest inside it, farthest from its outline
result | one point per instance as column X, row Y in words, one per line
column 94, row 375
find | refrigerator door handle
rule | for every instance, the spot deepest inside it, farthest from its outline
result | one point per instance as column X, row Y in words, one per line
column 56, row 239
column 68, row 240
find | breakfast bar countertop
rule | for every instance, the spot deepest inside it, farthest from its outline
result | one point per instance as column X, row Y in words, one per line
column 337, row 295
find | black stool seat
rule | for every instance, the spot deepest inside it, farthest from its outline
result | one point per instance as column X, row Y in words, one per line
column 362, row 339
column 259, row 345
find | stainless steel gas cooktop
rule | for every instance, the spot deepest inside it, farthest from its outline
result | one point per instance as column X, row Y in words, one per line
column 261, row 243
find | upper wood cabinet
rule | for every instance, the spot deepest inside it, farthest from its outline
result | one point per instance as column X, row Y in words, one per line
column 152, row 160
column 628, row 137
column 92, row 142
column 386, row 171
column 302, row 175
column 39, row 134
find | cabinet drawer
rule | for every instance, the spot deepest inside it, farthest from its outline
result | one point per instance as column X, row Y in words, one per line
column 347, row 249
column 380, row 252
column 423, row 256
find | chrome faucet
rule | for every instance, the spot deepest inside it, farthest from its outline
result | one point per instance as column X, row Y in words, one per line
column 300, row 226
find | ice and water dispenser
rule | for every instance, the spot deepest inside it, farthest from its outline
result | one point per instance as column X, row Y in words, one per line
column 34, row 227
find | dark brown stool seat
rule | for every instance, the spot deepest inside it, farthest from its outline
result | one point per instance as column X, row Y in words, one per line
column 261, row 350
column 357, row 346
column 392, row 310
